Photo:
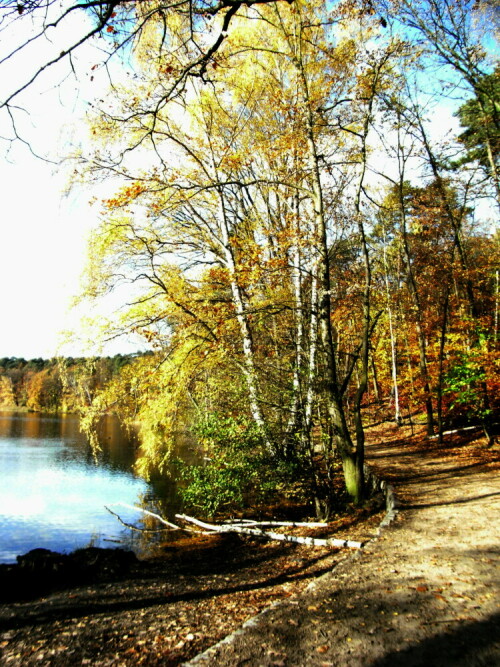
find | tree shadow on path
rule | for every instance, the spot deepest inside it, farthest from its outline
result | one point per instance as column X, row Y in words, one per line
column 475, row 644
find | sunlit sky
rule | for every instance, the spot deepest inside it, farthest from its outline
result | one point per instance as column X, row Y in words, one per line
column 43, row 233
column 41, row 241
column 42, row 238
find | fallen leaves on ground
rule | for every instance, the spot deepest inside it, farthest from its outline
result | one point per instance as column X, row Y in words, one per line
column 175, row 605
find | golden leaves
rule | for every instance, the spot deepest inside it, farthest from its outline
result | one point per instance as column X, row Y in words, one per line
column 126, row 195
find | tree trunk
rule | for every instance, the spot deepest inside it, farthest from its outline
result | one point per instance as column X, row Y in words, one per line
column 442, row 342
column 376, row 390
column 296, row 420
column 392, row 337
column 352, row 456
column 418, row 309
column 245, row 331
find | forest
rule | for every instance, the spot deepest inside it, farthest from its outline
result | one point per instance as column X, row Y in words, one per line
column 56, row 385
column 300, row 221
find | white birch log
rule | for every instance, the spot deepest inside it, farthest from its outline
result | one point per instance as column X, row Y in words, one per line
column 292, row 524
column 458, row 430
column 311, row 541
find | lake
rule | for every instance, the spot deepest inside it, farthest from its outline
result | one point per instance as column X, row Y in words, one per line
column 53, row 492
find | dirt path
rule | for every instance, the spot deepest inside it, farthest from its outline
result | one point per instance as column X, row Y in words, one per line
column 424, row 593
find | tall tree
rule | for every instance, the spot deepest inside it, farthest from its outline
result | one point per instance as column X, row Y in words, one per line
column 455, row 34
column 253, row 190
column 480, row 116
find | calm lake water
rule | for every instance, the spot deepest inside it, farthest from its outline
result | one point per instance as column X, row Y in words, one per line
column 53, row 493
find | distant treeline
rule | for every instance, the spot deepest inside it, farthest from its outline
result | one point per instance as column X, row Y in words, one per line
column 64, row 384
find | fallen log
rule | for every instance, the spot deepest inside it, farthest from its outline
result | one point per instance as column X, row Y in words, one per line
column 311, row 541
column 291, row 524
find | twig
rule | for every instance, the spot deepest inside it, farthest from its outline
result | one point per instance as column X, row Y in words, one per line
column 132, row 527
column 172, row 526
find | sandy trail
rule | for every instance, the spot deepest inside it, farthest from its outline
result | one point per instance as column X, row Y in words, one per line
column 425, row 592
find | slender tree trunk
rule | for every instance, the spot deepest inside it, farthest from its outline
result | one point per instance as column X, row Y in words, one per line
column 313, row 349
column 296, row 418
column 456, row 225
column 352, row 458
column 376, row 390
column 442, row 343
column 392, row 337
column 365, row 343
column 495, row 330
column 422, row 345
column 245, row 330
column 366, row 329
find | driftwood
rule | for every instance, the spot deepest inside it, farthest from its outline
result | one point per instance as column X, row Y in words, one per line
column 238, row 528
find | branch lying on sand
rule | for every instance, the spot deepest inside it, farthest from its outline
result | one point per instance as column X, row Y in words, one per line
column 247, row 527
column 170, row 526
column 238, row 528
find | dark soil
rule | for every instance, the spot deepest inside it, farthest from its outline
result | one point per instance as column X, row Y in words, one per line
column 423, row 592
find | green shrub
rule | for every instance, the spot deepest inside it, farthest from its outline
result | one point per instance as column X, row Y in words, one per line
column 237, row 470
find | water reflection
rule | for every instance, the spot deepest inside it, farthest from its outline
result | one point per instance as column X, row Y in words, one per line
column 53, row 492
